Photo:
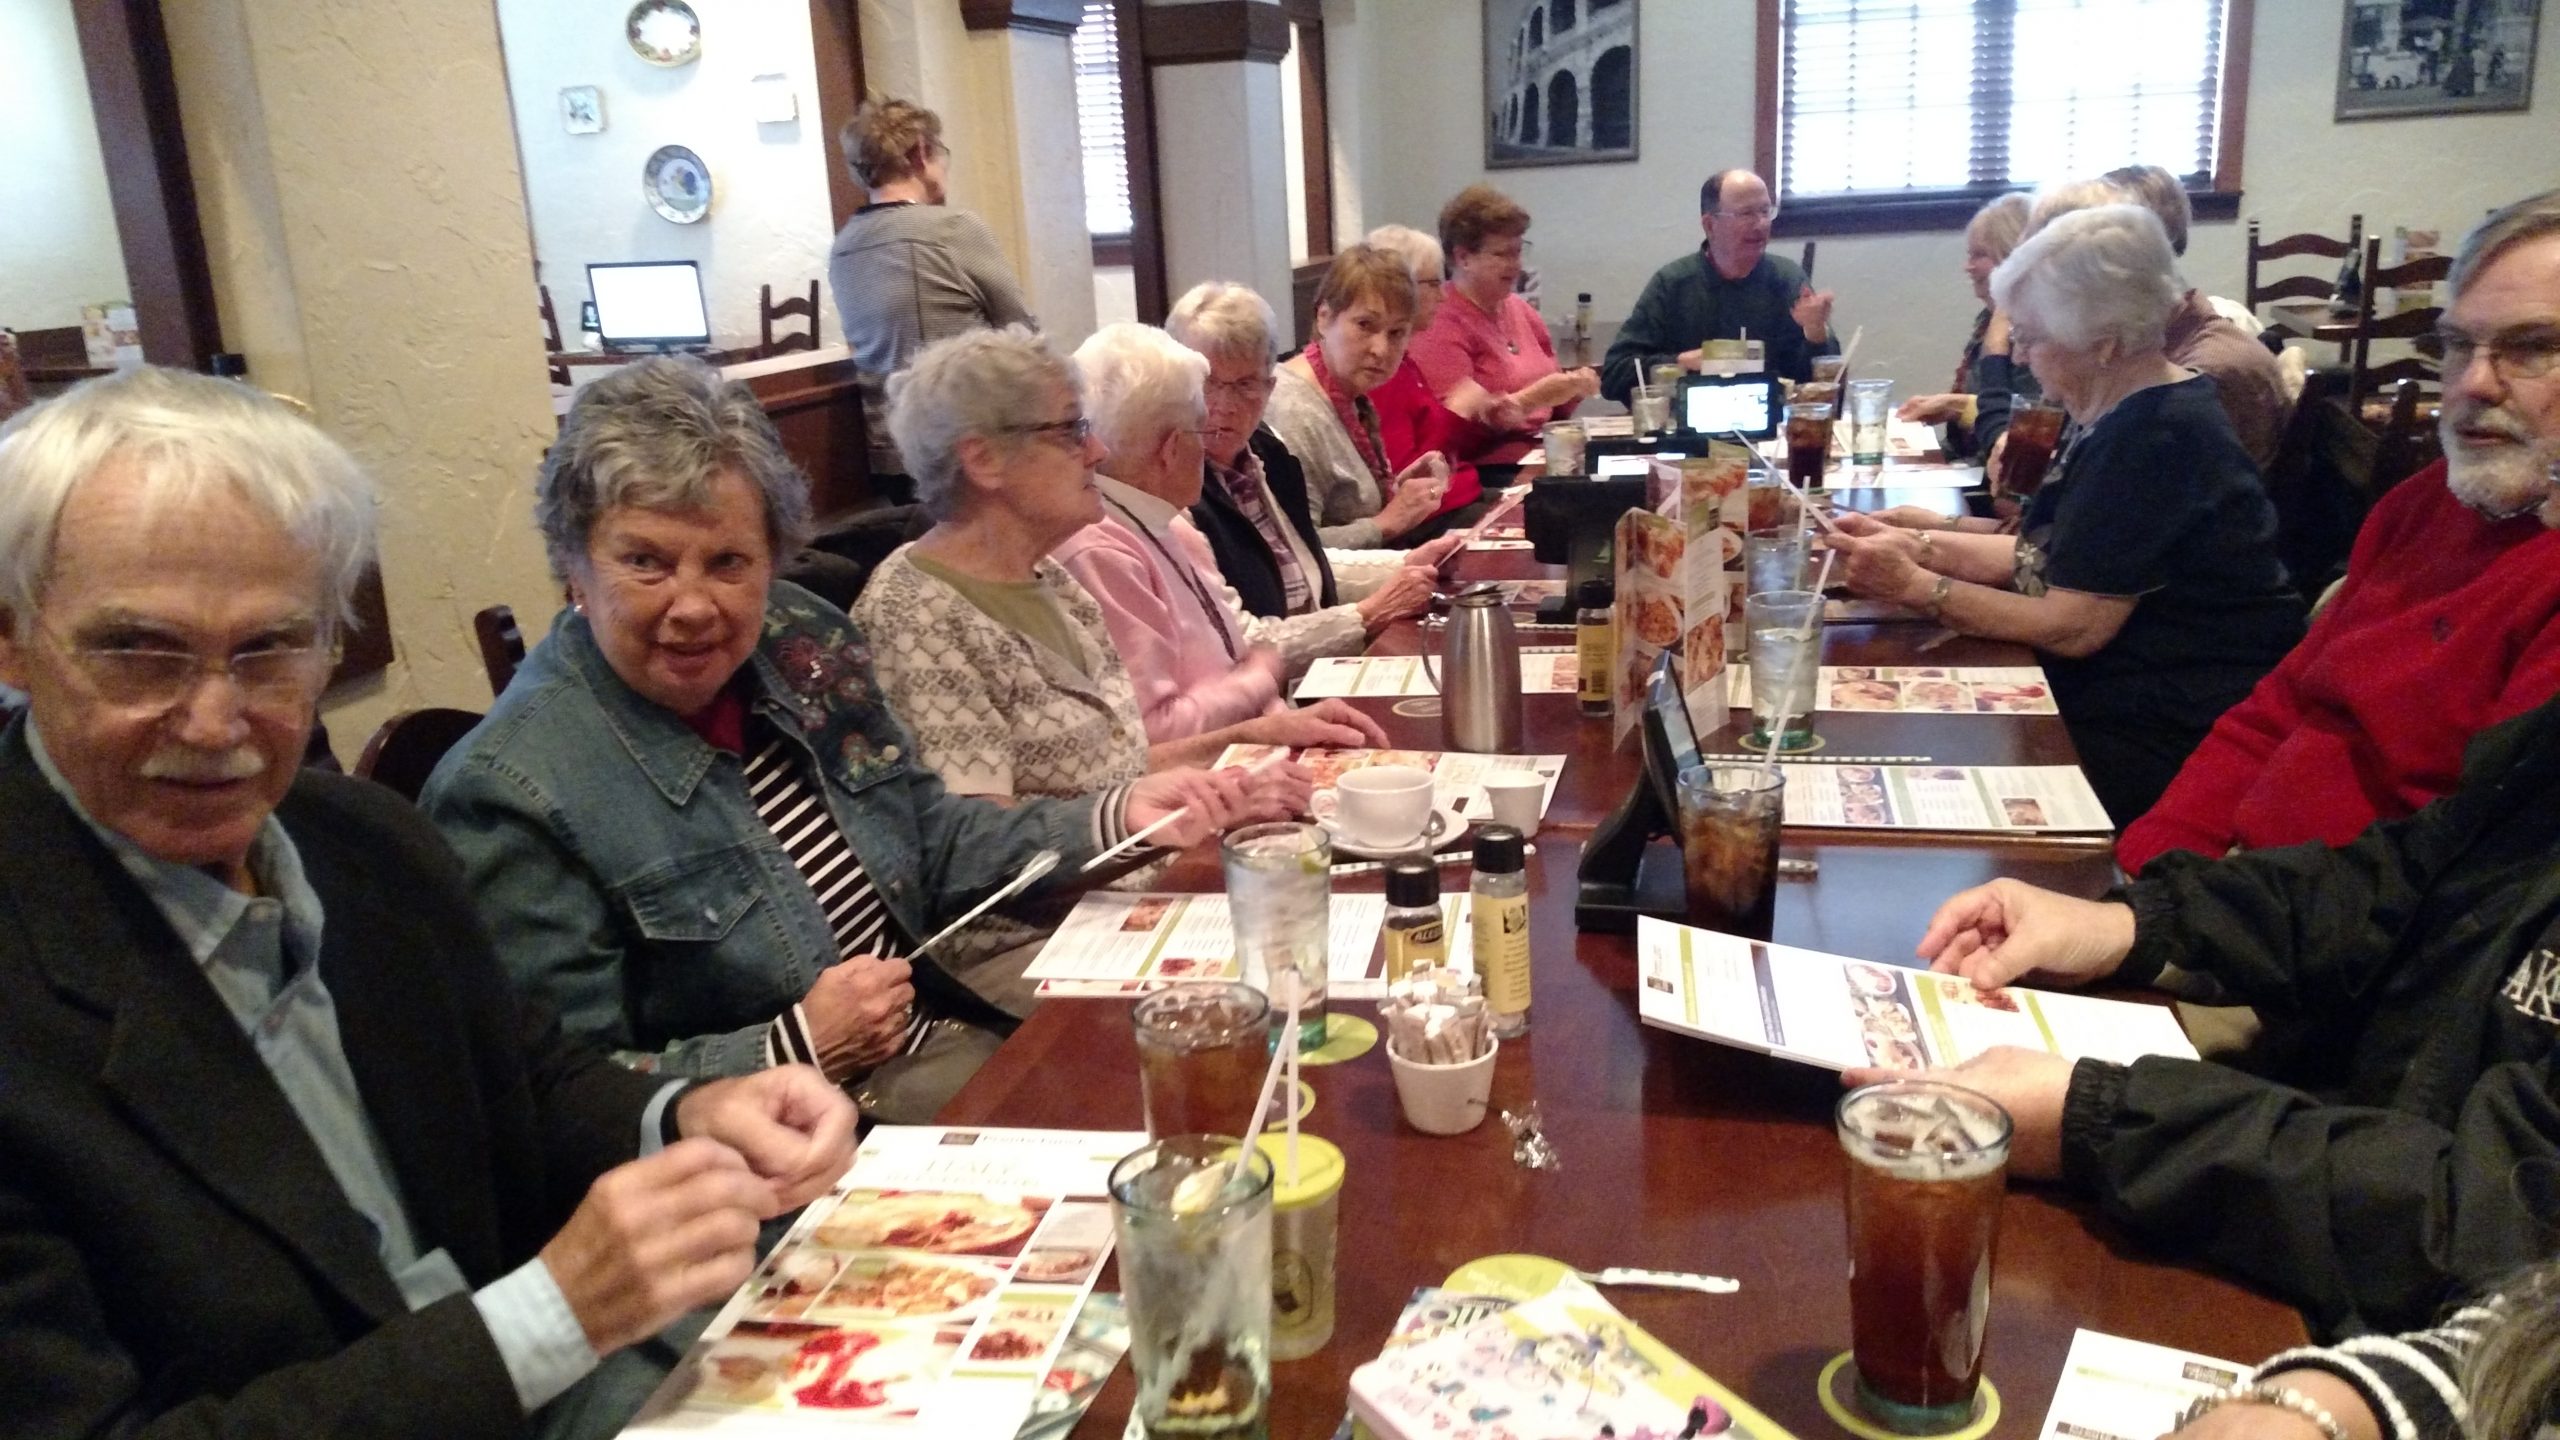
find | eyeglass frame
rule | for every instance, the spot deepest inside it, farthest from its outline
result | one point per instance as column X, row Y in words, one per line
column 1075, row 430
column 2538, row 357
column 1768, row 213
column 1242, row 392
column 322, row 659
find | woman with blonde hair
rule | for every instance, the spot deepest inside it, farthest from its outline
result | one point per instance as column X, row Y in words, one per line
column 1975, row 411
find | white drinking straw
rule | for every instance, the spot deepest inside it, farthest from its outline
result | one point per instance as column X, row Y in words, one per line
column 1850, row 350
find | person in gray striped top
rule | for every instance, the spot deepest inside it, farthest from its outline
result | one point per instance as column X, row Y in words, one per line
column 906, row 270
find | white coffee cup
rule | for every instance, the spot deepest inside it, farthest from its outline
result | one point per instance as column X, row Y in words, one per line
column 1517, row 797
column 1382, row 807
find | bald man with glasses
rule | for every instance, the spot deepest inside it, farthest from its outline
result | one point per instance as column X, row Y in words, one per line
column 1731, row 288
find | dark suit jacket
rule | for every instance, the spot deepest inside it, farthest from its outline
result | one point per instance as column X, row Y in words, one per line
column 1242, row 554
column 175, row 1257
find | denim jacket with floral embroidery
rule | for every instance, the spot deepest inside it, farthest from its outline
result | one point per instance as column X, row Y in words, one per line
column 628, row 879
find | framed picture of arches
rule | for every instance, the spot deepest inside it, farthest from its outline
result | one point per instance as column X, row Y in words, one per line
column 1559, row 82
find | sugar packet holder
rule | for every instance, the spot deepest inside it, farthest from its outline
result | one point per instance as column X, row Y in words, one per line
column 1437, row 1016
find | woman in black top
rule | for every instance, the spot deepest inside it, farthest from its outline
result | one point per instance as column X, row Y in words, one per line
column 2145, row 571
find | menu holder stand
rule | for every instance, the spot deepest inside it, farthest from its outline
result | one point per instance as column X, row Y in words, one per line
column 1572, row 521
column 1623, row 874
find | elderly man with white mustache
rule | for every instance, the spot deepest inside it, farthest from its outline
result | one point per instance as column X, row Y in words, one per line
column 2449, row 619
column 284, row 1155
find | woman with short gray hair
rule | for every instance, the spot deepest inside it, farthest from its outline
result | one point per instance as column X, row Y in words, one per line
column 2145, row 571
column 997, row 660
column 691, row 821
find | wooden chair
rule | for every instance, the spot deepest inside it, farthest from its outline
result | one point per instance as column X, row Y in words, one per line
column 805, row 307
column 551, row 337
column 501, row 645
column 404, row 752
column 2408, row 442
column 2299, row 287
column 2365, row 376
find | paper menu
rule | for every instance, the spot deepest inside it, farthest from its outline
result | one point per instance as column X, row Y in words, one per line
column 1838, row 1013
column 1544, row 670
column 1925, row 689
column 1994, row 799
column 1457, row 777
column 1119, row 944
column 2118, row 1389
column 925, row 1295
column 1673, row 592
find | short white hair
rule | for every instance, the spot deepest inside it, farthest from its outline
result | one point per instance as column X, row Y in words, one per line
column 186, row 436
column 1226, row 321
column 1139, row 385
column 2065, row 197
column 990, row 384
column 2091, row 276
column 1421, row 254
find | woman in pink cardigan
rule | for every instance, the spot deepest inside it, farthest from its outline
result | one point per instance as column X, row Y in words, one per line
column 1200, row 686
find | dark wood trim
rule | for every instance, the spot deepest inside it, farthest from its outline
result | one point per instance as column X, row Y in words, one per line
column 1316, row 138
column 1766, row 43
column 835, row 35
column 2238, row 32
column 1110, row 250
column 1304, row 281
column 1303, row 12
column 134, row 96
column 1213, row 30
column 1043, row 17
column 1138, row 149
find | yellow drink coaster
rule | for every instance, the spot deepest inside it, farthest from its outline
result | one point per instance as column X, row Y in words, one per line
column 1516, row 1278
column 1421, row 707
column 1838, row 1388
column 1346, row 1037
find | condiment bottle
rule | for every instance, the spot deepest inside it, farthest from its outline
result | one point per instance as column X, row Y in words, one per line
column 1499, row 927
column 1582, row 329
column 1415, row 937
column 1595, row 643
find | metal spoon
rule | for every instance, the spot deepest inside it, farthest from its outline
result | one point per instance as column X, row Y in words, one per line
column 1039, row 865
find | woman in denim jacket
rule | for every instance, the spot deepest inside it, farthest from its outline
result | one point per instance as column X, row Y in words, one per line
column 691, row 822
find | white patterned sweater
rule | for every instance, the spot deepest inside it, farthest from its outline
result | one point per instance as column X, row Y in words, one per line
column 996, row 714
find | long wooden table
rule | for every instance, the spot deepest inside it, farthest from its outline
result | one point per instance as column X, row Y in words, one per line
column 1676, row 1153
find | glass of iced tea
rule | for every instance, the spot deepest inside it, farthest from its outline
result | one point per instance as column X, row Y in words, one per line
column 2033, row 432
column 1730, row 816
column 1202, row 1050
column 1927, row 1162
column 1808, row 444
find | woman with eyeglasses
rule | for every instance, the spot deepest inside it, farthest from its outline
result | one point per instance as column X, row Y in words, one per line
column 1485, row 340
column 692, row 822
column 998, row 661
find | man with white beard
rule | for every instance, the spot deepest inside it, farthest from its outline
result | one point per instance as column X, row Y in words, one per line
column 2445, row 624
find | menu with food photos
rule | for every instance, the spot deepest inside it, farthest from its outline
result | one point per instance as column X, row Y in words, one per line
column 1674, row 594
column 1115, row 943
column 1544, row 670
column 2113, row 1388
column 1924, row 689
column 1839, row 1013
column 1966, row 799
column 926, row 1294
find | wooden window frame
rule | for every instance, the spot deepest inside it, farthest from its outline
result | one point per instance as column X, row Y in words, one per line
column 2219, row 199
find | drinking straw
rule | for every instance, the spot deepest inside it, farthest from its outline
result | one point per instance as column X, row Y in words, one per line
column 1292, row 1147
column 1280, row 1056
column 1849, row 350
column 1098, row 861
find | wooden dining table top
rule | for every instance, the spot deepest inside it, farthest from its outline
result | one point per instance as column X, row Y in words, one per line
column 1674, row 1153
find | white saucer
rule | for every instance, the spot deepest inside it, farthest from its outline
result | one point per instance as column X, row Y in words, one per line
column 1453, row 828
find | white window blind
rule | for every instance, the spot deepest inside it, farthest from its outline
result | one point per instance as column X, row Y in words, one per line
column 1881, row 98
column 1098, row 119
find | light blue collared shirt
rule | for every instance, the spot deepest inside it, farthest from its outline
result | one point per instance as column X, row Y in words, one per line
column 261, row 953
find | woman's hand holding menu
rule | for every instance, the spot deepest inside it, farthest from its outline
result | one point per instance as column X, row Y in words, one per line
column 2008, row 930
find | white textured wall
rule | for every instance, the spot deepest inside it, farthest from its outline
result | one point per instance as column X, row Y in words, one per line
column 58, row 248
column 769, row 222
column 1406, row 78
column 359, row 165
column 1219, row 168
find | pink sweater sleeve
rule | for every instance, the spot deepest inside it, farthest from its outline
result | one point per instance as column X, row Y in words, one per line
column 1181, row 692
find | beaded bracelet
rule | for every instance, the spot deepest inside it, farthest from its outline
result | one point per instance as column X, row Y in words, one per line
column 2278, row 1396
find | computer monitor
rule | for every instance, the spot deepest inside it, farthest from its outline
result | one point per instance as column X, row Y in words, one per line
column 645, row 303
column 1723, row 406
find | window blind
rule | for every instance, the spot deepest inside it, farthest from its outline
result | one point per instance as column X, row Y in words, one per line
column 1901, row 97
column 1096, row 48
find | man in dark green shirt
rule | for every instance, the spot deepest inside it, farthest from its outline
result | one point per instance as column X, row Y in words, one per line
column 1733, row 288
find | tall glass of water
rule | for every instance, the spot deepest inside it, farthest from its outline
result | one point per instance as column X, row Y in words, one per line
column 1194, row 1226
column 1280, row 898
column 1785, row 627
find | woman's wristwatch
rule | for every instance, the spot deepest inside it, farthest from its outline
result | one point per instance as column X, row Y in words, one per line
column 1938, row 593
column 2293, row 1401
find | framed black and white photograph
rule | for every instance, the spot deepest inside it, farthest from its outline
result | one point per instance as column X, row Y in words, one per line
column 1559, row 82
column 2435, row 57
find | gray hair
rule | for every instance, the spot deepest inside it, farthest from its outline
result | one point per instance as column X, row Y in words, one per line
column 1421, row 254
column 185, row 436
column 1139, row 384
column 656, row 436
column 2001, row 224
column 2064, row 197
column 986, row 384
column 2094, row 275
column 2154, row 187
column 2527, row 220
column 1226, row 321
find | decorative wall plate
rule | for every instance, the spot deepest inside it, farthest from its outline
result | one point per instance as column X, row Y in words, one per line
column 664, row 32
column 677, row 184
